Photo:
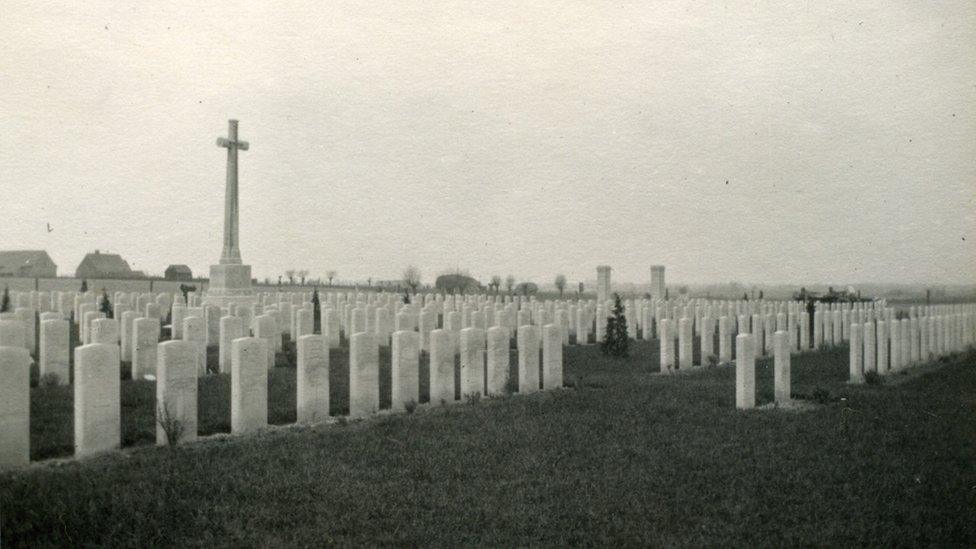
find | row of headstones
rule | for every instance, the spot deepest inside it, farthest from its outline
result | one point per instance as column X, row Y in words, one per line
column 484, row 361
column 894, row 345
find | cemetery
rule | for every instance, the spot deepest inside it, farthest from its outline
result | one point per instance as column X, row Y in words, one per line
column 488, row 274
column 165, row 393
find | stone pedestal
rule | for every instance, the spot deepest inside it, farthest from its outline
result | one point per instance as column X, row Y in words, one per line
column 229, row 284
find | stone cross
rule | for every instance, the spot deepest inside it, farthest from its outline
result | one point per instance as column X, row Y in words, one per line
column 231, row 253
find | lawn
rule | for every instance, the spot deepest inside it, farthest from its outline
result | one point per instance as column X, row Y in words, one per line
column 620, row 457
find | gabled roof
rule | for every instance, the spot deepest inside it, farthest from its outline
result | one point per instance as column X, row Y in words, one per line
column 105, row 263
column 12, row 260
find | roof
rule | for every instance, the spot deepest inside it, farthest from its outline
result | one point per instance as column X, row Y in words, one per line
column 105, row 263
column 180, row 268
column 12, row 260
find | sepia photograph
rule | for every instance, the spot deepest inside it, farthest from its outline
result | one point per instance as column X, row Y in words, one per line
column 456, row 273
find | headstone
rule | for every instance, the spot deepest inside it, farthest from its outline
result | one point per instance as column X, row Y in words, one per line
column 97, row 407
column 856, row 348
column 405, row 369
column 724, row 341
column 249, row 385
column 666, row 344
column 13, row 334
column 145, row 342
column 195, row 333
column 176, row 391
column 781, row 367
column 745, row 372
column 552, row 357
column 528, row 359
column 364, row 374
column 266, row 328
column 441, row 368
column 685, row 341
column 54, row 357
column 15, row 406
column 212, row 315
column 882, row 347
column 303, row 323
column 104, row 330
column 312, row 369
column 497, row 361
column 330, row 327
column 868, row 336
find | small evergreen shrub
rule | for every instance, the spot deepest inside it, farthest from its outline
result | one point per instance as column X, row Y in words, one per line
column 615, row 343
column 873, row 378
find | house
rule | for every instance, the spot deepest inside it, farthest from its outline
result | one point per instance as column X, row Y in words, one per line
column 27, row 263
column 104, row 265
column 178, row 272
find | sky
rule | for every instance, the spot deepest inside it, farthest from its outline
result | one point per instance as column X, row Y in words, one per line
column 761, row 142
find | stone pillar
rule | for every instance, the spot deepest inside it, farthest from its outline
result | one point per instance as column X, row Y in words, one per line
column 745, row 372
column 15, row 406
column 657, row 282
column 405, row 369
column 472, row 350
column 312, row 370
column 176, row 392
column 441, row 368
column 54, row 354
column 552, row 357
column 248, row 385
column 685, row 342
column 97, row 407
column 528, row 359
column 856, row 346
column 781, row 366
column 603, row 292
column 497, row 361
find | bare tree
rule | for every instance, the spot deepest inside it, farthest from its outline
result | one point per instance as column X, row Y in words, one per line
column 411, row 277
column 330, row 275
column 560, row 284
column 509, row 283
column 496, row 283
column 302, row 274
column 290, row 273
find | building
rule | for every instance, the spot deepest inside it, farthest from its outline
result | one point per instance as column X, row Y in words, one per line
column 104, row 265
column 178, row 272
column 27, row 263
column 603, row 283
column 657, row 282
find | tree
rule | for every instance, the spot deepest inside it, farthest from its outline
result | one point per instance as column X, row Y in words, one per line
column 290, row 273
column 330, row 275
column 5, row 303
column 496, row 283
column 560, row 284
column 509, row 283
column 106, row 306
column 302, row 274
column 84, row 285
column 411, row 277
column 316, row 312
column 615, row 343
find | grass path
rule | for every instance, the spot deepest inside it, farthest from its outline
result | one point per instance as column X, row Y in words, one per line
column 624, row 458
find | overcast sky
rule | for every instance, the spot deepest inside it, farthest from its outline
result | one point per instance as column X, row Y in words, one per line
column 796, row 142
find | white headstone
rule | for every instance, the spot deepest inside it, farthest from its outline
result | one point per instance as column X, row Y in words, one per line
column 312, row 369
column 145, row 342
column 745, row 372
column 441, row 368
column 781, row 366
column 97, row 407
column 497, row 360
column 552, row 357
column 54, row 359
column 472, row 351
column 249, row 385
column 364, row 374
column 405, row 369
column 528, row 359
column 176, row 391
column 15, row 406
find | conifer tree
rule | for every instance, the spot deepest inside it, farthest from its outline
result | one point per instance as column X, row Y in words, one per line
column 615, row 343
column 84, row 285
column 316, row 312
column 106, row 306
column 5, row 304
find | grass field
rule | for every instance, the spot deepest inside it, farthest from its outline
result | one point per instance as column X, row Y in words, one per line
column 620, row 457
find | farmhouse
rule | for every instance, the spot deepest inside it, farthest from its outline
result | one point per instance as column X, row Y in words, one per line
column 104, row 265
column 27, row 263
